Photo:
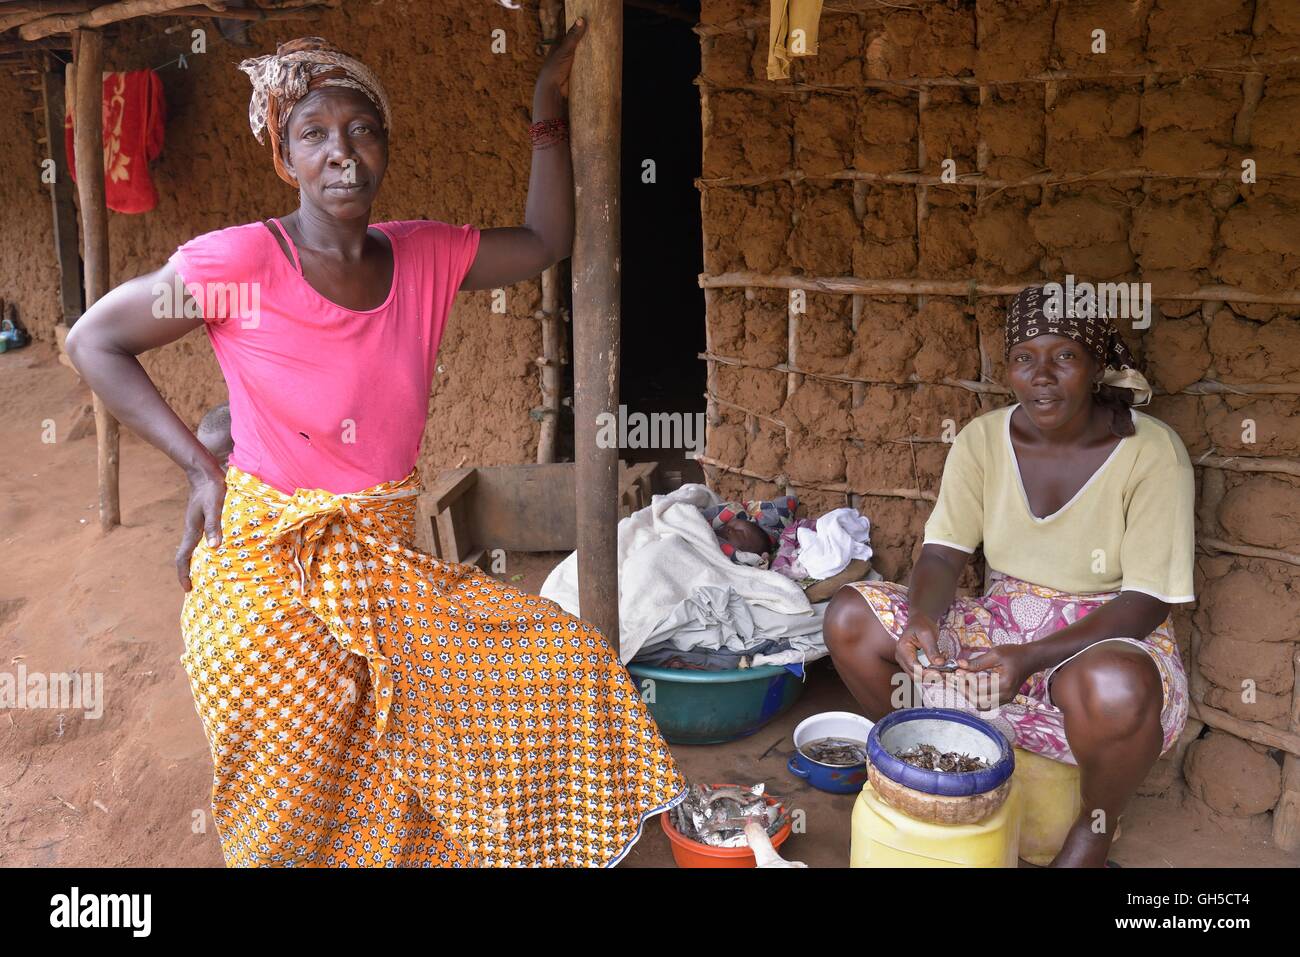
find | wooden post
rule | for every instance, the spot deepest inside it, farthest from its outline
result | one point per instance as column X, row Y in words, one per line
column 88, row 132
column 61, row 201
column 551, row 18
column 1286, row 816
column 595, row 118
column 551, row 363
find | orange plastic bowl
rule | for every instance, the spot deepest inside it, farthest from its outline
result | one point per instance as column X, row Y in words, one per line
column 689, row 853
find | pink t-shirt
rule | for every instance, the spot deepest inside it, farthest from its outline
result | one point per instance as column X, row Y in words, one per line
column 322, row 396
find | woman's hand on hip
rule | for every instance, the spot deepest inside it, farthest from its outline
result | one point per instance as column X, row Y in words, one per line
column 202, row 518
column 554, row 73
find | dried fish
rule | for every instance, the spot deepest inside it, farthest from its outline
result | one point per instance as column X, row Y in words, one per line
column 717, row 815
column 929, row 758
column 838, row 752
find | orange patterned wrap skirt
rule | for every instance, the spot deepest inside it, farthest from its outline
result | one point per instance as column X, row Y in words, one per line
column 369, row 705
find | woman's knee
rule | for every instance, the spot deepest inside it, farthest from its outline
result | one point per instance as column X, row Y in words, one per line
column 850, row 624
column 1113, row 688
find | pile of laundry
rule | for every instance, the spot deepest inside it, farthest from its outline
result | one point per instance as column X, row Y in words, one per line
column 812, row 550
column 700, row 586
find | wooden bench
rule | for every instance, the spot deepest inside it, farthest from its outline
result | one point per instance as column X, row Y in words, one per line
column 469, row 512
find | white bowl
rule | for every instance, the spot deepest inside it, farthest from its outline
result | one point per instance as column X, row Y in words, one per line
column 832, row 724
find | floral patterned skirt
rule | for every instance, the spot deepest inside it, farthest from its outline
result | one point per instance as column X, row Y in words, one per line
column 1014, row 612
column 369, row 705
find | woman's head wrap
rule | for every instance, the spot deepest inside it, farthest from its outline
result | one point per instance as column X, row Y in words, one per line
column 297, row 67
column 1035, row 311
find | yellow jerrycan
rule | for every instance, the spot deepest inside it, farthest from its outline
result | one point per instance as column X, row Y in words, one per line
column 886, row 837
column 1050, row 803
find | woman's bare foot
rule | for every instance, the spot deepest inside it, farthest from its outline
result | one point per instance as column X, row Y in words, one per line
column 1083, row 847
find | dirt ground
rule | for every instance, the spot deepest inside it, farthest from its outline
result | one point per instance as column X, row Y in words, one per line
column 132, row 787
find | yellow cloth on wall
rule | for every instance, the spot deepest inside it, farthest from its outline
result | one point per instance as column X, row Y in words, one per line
column 792, row 33
column 1131, row 527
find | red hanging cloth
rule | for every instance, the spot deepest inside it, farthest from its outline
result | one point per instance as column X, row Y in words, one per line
column 134, row 118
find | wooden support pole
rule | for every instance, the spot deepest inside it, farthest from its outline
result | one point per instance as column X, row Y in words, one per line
column 595, row 119
column 859, row 389
column 793, row 380
column 550, row 15
column 25, row 47
column 550, row 364
column 305, row 12
column 712, row 417
column 61, row 200
column 107, row 13
column 16, row 14
column 88, row 131
column 1286, row 816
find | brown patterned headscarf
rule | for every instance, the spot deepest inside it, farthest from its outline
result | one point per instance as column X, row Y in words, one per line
column 297, row 67
column 1027, row 318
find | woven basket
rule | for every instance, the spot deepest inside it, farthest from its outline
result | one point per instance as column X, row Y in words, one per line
column 937, row 808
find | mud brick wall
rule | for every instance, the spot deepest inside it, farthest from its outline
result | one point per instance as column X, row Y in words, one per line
column 459, row 153
column 1122, row 166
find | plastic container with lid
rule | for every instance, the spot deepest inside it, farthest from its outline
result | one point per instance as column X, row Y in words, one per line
column 885, row 837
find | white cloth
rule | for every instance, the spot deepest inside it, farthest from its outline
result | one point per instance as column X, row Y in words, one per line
column 841, row 536
column 676, row 585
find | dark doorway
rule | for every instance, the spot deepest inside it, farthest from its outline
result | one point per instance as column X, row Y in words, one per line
column 663, row 305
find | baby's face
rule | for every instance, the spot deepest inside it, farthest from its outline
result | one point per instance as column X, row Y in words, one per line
column 745, row 535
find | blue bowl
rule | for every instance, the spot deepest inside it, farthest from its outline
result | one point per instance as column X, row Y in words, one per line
column 946, row 729
column 841, row 779
column 714, row 707
column 826, row 777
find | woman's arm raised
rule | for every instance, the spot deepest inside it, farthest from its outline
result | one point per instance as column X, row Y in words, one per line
column 139, row 315
column 514, row 253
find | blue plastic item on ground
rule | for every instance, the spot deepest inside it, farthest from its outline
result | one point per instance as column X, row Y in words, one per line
column 713, row 707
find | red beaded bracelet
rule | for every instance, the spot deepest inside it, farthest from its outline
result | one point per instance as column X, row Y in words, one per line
column 548, row 132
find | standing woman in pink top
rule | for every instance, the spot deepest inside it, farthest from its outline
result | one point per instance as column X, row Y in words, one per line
column 365, row 703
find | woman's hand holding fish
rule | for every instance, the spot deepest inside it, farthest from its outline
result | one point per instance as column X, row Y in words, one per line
column 994, row 677
column 921, row 634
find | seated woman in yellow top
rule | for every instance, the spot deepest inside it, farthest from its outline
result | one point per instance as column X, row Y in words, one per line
column 1084, row 508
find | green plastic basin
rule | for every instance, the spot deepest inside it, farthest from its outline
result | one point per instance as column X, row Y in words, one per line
column 711, row 707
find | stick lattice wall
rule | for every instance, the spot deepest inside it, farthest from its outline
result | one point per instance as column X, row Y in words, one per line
column 1212, row 466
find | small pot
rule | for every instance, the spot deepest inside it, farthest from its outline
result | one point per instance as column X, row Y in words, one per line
column 836, row 779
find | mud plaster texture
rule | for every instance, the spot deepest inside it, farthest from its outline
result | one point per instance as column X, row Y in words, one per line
column 876, row 373
column 459, row 153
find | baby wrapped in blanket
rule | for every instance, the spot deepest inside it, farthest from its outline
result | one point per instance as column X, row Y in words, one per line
column 749, row 531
